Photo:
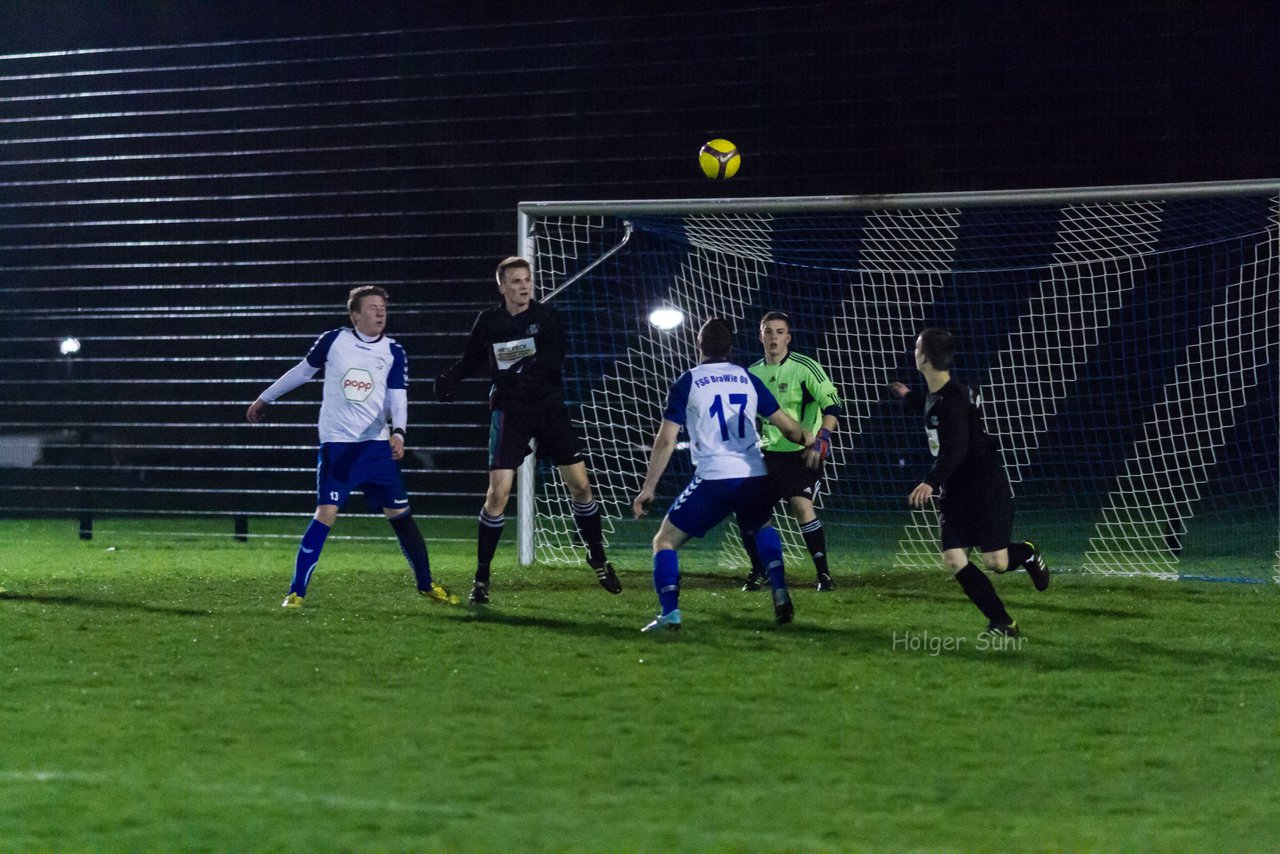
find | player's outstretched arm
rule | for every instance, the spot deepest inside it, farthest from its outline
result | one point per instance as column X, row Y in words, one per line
column 294, row 377
column 664, row 444
column 791, row 428
column 912, row 401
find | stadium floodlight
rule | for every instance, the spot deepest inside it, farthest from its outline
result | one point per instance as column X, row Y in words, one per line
column 666, row 318
column 69, row 346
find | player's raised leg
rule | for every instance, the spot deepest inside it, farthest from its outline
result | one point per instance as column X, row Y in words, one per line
column 1026, row 555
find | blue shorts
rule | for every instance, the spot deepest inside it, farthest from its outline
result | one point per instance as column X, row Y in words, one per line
column 366, row 466
column 706, row 503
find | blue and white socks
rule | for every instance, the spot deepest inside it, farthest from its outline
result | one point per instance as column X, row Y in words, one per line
column 308, row 556
column 769, row 547
column 666, row 579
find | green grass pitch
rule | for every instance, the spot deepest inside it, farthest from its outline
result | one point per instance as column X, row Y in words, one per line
column 153, row 695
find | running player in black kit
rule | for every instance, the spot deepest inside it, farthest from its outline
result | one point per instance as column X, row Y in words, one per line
column 975, row 503
column 521, row 343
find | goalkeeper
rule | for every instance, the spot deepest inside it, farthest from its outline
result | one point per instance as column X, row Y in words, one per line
column 805, row 392
column 975, row 504
column 521, row 343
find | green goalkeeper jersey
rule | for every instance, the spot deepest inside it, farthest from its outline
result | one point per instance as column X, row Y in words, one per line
column 804, row 391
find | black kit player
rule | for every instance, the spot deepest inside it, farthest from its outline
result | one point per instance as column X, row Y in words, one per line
column 521, row 343
column 975, row 503
column 805, row 392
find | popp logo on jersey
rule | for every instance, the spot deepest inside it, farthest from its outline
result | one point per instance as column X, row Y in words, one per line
column 357, row 384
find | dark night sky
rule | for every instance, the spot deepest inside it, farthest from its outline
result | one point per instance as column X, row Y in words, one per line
column 827, row 98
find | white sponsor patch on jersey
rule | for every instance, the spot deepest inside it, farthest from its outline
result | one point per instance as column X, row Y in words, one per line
column 357, row 384
column 507, row 353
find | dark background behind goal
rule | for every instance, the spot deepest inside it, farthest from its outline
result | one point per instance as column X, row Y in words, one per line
column 190, row 189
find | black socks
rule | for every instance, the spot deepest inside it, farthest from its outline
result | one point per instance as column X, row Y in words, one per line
column 488, row 532
column 982, row 593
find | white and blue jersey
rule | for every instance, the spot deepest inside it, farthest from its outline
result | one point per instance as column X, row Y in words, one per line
column 717, row 404
column 365, row 384
column 358, row 376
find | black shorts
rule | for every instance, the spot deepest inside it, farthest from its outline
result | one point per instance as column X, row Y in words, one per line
column 789, row 476
column 984, row 520
column 511, row 432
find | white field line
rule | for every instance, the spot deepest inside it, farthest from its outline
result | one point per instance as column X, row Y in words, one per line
column 230, row 792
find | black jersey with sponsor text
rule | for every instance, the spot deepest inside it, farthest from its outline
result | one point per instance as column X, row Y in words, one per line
column 524, row 354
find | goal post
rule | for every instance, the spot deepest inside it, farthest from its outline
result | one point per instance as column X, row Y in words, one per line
column 1125, row 342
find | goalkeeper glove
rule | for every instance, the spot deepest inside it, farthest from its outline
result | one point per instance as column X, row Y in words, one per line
column 446, row 387
column 821, row 448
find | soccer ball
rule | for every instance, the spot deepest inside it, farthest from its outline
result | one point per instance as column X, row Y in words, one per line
column 719, row 158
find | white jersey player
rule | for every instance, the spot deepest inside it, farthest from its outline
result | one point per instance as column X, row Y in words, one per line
column 716, row 403
column 366, row 376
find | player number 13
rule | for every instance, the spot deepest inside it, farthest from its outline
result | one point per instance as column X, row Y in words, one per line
column 717, row 409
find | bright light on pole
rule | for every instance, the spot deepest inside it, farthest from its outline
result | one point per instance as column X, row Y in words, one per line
column 666, row 318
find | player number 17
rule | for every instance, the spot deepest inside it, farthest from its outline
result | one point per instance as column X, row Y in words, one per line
column 717, row 409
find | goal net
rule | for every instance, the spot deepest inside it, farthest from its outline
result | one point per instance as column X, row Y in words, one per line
column 1124, row 343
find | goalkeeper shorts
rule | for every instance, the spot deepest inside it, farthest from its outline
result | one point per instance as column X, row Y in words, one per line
column 789, row 476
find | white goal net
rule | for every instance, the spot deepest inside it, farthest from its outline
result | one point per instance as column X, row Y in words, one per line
column 1124, row 342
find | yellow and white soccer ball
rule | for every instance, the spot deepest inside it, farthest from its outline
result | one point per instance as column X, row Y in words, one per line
column 719, row 158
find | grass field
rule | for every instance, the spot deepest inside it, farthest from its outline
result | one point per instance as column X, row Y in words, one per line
column 153, row 695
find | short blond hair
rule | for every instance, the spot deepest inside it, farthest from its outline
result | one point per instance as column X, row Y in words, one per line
column 507, row 263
